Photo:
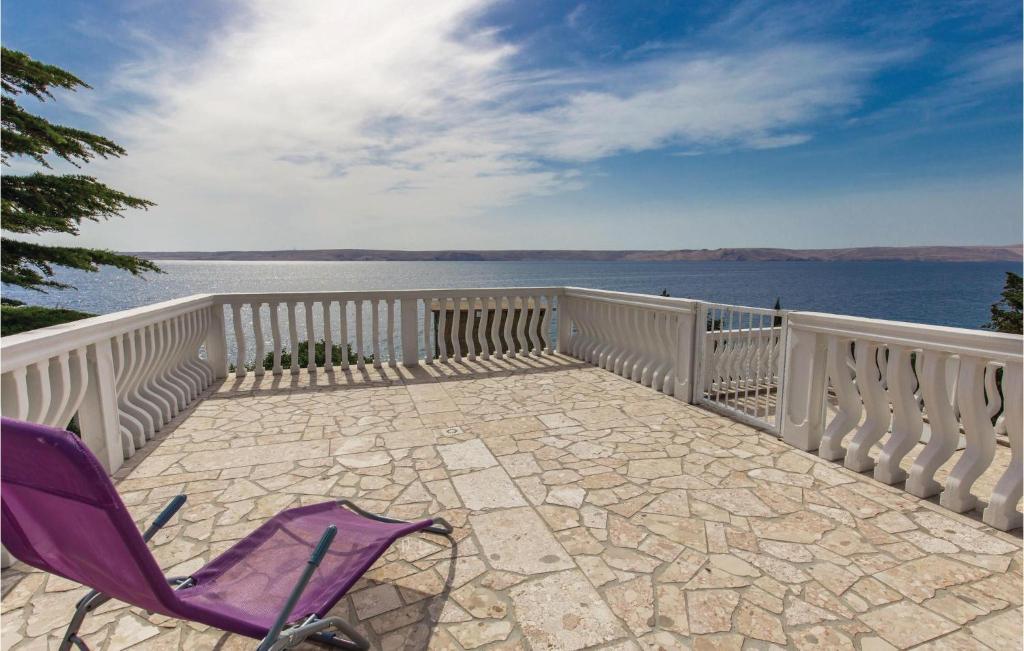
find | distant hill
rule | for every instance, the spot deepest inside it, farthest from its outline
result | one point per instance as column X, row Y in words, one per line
column 1010, row 253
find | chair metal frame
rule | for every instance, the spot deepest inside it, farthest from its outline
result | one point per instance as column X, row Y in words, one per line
column 280, row 636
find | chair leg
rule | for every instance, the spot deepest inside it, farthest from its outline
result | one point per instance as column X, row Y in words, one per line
column 86, row 604
column 314, row 630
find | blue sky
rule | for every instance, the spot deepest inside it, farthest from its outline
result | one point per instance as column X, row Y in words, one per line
column 543, row 124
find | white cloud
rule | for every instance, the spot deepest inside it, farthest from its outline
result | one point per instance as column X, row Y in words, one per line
column 385, row 124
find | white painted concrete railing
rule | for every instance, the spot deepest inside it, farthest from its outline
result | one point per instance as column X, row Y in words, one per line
column 387, row 327
column 890, row 378
column 645, row 338
column 125, row 375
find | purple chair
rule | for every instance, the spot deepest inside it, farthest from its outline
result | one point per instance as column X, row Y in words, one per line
column 61, row 514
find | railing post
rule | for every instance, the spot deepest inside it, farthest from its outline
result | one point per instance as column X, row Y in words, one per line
column 802, row 418
column 98, row 413
column 216, row 343
column 686, row 378
column 410, row 332
column 564, row 324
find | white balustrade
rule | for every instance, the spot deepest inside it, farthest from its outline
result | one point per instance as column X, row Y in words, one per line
column 891, row 382
column 125, row 375
column 889, row 387
column 375, row 326
column 647, row 339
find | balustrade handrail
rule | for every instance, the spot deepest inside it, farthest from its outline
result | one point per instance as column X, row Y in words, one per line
column 24, row 348
column 982, row 343
column 684, row 305
column 232, row 298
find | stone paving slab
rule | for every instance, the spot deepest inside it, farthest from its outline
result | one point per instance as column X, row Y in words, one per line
column 590, row 512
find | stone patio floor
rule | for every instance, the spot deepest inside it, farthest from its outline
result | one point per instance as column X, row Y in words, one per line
column 590, row 512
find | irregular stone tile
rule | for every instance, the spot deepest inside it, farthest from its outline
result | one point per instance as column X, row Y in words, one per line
column 905, row 624
column 520, row 465
column 821, row 637
column 633, row 602
column 964, row 537
column 488, row 489
column 376, row 600
column 919, row 579
column 654, row 468
column 710, row 611
column 563, row 611
column 478, row 633
column 758, row 623
column 468, row 455
column 1003, row 631
column 516, row 540
column 672, row 608
column 251, row 456
column 566, row 496
column 799, row 527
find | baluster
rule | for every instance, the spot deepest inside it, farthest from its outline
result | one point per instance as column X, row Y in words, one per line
column 1001, row 511
column 158, row 383
column 78, row 381
column 993, row 401
column 848, row 415
column 358, row 316
column 343, row 332
column 172, row 376
column 907, row 423
column 328, row 337
column 442, row 330
column 763, row 346
column 510, row 344
column 129, row 425
column 392, row 362
column 524, row 346
column 428, row 318
column 257, row 335
column 481, row 331
column 58, row 377
column 187, row 376
column 236, row 319
column 979, row 435
column 376, row 324
column 148, row 412
column 39, row 380
column 533, row 345
column 293, row 336
column 548, row 338
column 469, row 328
column 942, row 424
column 129, row 399
column 15, row 400
column 620, row 358
column 457, row 328
column 876, row 408
column 275, row 334
column 310, row 337
column 499, row 351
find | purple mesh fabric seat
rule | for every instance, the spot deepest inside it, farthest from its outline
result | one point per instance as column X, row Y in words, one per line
column 251, row 580
column 62, row 514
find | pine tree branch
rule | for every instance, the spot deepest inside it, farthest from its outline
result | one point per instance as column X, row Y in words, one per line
column 30, row 265
column 46, row 203
column 25, row 134
column 21, row 73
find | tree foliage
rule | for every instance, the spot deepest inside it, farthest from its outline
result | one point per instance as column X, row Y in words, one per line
column 1006, row 313
column 39, row 203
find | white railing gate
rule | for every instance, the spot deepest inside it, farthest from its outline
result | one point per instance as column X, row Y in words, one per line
column 739, row 353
